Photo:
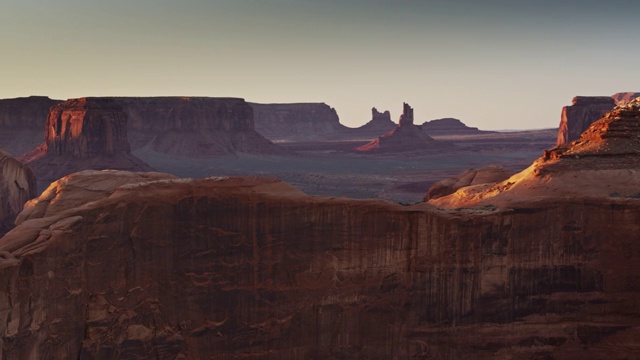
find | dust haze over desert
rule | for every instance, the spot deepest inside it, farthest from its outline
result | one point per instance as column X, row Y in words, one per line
column 288, row 179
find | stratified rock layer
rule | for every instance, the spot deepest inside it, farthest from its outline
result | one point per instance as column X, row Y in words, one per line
column 471, row 177
column 17, row 185
column 22, row 122
column 194, row 126
column 86, row 133
column 301, row 121
column 252, row 268
column 604, row 162
column 407, row 137
column 576, row 118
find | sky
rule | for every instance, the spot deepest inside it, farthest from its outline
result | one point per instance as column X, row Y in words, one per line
column 494, row 64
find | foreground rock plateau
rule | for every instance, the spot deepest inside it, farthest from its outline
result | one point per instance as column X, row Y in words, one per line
column 135, row 265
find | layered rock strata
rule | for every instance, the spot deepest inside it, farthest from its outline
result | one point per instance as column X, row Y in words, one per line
column 252, row 268
column 471, row 177
column 583, row 112
column 17, row 185
column 300, row 121
column 406, row 137
column 604, row 162
column 86, row 133
column 194, row 126
column 22, row 121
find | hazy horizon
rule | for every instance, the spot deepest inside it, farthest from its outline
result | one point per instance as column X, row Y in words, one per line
column 498, row 65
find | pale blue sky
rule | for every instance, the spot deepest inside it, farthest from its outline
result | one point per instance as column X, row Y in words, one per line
column 494, row 64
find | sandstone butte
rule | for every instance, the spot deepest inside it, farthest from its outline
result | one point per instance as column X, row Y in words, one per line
column 22, row 122
column 450, row 126
column 575, row 119
column 380, row 123
column 17, row 185
column 406, row 137
column 134, row 265
column 297, row 121
column 86, row 133
column 194, row 126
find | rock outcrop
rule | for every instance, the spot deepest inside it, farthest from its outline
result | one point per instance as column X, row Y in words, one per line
column 406, row 137
column 252, row 268
column 300, row 122
column 449, row 126
column 380, row 123
column 17, row 185
column 86, row 133
column 604, row 162
column 471, row 177
column 622, row 98
column 194, row 126
column 22, row 121
column 583, row 112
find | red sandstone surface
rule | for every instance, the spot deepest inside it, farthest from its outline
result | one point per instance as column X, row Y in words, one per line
column 471, row 177
column 583, row 112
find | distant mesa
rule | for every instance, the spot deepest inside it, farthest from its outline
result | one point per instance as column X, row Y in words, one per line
column 450, row 126
column 22, row 122
column 297, row 121
column 194, row 126
column 604, row 162
column 406, row 137
column 17, row 185
column 380, row 123
column 86, row 133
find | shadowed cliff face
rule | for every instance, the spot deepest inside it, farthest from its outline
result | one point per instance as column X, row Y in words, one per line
column 252, row 267
column 194, row 126
column 576, row 118
column 17, row 185
column 87, row 133
column 22, row 121
column 471, row 177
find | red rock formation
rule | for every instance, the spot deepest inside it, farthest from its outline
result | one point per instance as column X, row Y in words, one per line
column 576, row 118
column 87, row 133
column 449, row 126
column 22, row 121
column 407, row 137
column 622, row 98
column 17, row 185
column 301, row 121
column 471, row 177
column 607, row 155
column 252, row 268
column 194, row 126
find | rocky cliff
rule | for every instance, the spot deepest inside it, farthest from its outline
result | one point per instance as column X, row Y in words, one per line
column 449, row 126
column 22, row 121
column 603, row 163
column 252, row 268
column 194, row 126
column 17, row 185
column 301, row 121
column 471, row 177
column 86, row 133
column 622, row 98
column 583, row 112
column 406, row 137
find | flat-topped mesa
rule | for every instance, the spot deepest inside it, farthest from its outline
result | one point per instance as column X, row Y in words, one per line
column 22, row 121
column 576, row 118
column 603, row 162
column 296, row 121
column 449, row 126
column 85, row 133
column 87, row 127
column 406, row 118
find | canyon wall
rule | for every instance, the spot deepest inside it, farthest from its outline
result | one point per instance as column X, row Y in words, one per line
column 301, row 121
column 248, row 267
column 583, row 112
column 17, row 185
